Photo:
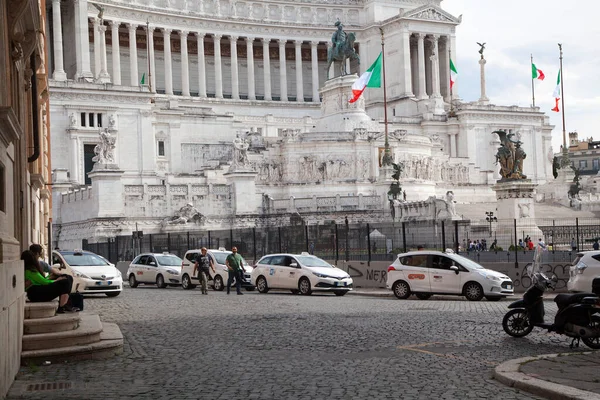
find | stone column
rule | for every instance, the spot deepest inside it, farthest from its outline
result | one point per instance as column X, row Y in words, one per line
column 103, row 76
column 82, row 41
column 250, row 60
column 315, row 71
column 483, row 99
column 235, row 83
column 201, row 65
column 168, row 64
column 406, row 65
column 152, row 72
column 283, row 94
column 446, row 69
column 453, row 55
column 422, row 93
column 185, row 69
column 299, row 82
column 116, row 52
column 435, row 67
column 267, row 66
column 59, row 63
column 133, row 62
column 96, row 28
column 218, row 71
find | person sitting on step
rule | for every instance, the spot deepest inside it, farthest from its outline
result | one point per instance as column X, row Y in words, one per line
column 40, row 289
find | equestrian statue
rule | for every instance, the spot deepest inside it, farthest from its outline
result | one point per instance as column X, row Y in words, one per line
column 342, row 49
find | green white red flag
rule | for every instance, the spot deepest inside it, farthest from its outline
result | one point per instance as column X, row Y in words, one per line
column 371, row 78
column 536, row 73
column 557, row 93
column 453, row 74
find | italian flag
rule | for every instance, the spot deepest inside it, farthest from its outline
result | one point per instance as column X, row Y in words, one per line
column 536, row 73
column 453, row 74
column 557, row 93
column 371, row 78
column 143, row 81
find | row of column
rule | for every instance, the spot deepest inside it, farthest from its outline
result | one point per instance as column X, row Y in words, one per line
column 435, row 68
column 102, row 75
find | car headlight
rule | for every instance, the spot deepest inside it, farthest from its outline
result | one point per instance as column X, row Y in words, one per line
column 321, row 275
column 581, row 267
column 172, row 272
column 80, row 275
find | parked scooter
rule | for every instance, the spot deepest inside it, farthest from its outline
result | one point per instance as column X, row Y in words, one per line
column 577, row 315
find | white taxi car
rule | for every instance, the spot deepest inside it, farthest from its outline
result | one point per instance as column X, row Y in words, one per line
column 425, row 273
column 219, row 278
column 583, row 270
column 162, row 269
column 91, row 273
column 300, row 273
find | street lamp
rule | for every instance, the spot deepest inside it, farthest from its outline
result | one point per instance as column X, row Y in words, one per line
column 490, row 218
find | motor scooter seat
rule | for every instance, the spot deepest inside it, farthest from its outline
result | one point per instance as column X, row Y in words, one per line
column 564, row 300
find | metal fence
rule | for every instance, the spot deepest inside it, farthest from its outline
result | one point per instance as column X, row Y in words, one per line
column 498, row 240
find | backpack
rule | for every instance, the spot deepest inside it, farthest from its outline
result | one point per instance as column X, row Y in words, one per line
column 76, row 299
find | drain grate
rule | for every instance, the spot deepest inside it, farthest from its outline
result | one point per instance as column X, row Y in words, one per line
column 38, row 387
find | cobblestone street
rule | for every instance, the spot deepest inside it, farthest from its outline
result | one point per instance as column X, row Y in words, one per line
column 183, row 345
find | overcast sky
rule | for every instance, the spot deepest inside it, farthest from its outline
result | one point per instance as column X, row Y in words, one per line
column 515, row 29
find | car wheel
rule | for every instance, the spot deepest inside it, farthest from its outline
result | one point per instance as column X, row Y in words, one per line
column 423, row 296
column 218, row 283
column 516, row 323
column 295, row 291
column 250, row 289
column 473, row 291
column 340, row 292
column 186, row 282
column 304, row 287
column 160, row 282
column 593, row 342
column 493, row 298
column 133, row 283
column 112, row 294
column 261, row 285
column 401, row 290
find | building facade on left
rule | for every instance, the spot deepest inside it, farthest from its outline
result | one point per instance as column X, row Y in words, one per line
column 25, row 201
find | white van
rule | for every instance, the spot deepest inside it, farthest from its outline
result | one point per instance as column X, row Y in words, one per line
column 219, row 277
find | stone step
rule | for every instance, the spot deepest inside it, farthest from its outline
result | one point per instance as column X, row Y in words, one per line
column 88, row 332
column 95, row 351
column 40, row 310
column 58, row 323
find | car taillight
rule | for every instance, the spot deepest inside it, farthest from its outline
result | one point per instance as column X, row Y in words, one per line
column 391, row 268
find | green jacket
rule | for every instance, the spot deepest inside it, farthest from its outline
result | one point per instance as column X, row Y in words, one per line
column 36, row 279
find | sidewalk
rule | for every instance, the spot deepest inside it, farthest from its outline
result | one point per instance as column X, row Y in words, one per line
column 572, row 376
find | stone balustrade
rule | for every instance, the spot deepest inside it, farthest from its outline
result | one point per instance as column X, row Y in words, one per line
column 327, row 203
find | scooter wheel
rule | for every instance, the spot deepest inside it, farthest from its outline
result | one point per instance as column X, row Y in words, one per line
column 516, row 323
column 593, row 342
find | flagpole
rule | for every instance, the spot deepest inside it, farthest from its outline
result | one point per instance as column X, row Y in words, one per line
column 387, row 157
column 450, row 83
column 562, row 99
column 532, row 84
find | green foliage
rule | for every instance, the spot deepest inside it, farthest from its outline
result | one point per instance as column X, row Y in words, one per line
column 519, row 248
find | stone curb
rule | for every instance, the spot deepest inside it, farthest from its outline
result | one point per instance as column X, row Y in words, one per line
column 509, row 374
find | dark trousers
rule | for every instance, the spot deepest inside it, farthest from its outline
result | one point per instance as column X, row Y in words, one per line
column 237, row 275
column 40, row 293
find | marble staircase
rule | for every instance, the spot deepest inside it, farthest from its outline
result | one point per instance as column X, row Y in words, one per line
column 48, row 336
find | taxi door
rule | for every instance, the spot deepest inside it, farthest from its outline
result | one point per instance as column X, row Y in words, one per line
column 442, row 278
column 416, row 272
column 276, row 271
column 151, row 269
column 138, row 269
column 288, row 276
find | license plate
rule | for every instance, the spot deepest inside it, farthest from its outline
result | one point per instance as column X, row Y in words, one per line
column 340, row 284
column 509, row 286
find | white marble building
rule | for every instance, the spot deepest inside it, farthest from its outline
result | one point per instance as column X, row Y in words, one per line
column 212, row 69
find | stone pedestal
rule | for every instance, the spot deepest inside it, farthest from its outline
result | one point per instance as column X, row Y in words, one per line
column 483, row 99
column 338, row 115
column 243, row 189
column 108, row 189
column 516, row 200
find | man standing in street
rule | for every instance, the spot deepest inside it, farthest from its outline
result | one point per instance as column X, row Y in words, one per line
column 203, row 262
column 235, row 268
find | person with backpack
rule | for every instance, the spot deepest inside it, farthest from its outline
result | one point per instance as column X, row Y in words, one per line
column 202, row 263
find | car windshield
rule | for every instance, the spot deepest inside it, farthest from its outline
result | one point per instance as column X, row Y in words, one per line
column 169, row 260
column 221, row 257
column 465, row 262
column 312, row 261
column 84, row 260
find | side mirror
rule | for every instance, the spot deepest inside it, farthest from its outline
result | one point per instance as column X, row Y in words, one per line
column 58, row 266
column 294, row 265
column 153, row 263
column 454, row 268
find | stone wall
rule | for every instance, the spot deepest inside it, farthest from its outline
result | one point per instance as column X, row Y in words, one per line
column 12, row 304
column 375, row 274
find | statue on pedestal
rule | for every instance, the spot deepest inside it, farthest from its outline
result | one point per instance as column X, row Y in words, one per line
column 184, row 215
column 510, row 156
column 240, row 154
column 104, row 151
column 342, row 49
